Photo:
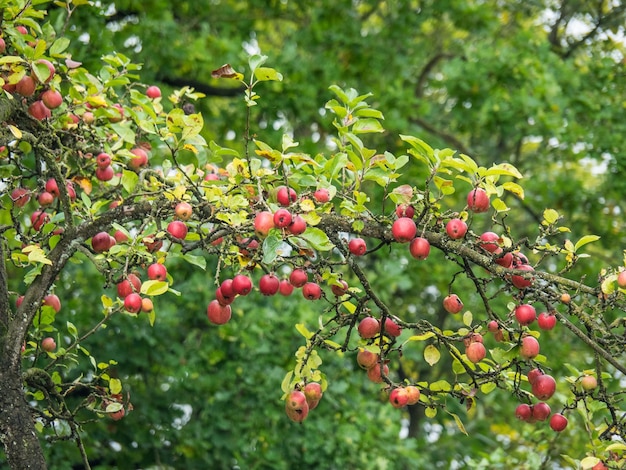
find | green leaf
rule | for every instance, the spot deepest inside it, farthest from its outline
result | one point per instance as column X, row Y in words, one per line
column 467, row 318
column 365, row 126
column 459, row 423
column 270, row 248
column 129, row 180
column 504, row 169
column 550, row 216
column 422, row 337
column 430, row 412
column 440, row 386
column 488, row 387
column 584, row 240
column 268, row 74
column 317, row 239
column 303, row 331
column 59, row 46
column 196, row 260
column 431, row 354
column 343, row 97
column 286, row 383
column 589, row 462
column 71, row 329
column 154, row 287
column 256, row 60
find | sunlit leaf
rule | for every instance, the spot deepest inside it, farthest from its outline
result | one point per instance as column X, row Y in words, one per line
column 226, row 71
column 432, row 354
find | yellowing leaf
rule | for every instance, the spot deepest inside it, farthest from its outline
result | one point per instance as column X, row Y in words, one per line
column 584, row 240
column 36, row 255
column 459, row 423
column 307, row 205
column 431, row 354
column 430, row 412
column 589, row 462
column 154, row 287
column 514, row 188
column 467, row 318
column 303, row 331
column 15, row 131
column 115, row 386
column 550, row 216
column 423, row 337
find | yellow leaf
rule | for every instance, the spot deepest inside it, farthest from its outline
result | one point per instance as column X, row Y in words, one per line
column 431, row 354
column 15, row 131
column 115, row 386
column 307, row 205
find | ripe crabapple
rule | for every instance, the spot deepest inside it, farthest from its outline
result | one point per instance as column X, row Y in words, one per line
column 48, row 344
column 452, row 303
column 357, row 246
column 456, row 228
column 391, row 327
column 529, row 348
column 52, row 301
column 398, row 397
column 39, row 219
column 20, row 197
column 177, row 229
column 558, row 422
column 544, row 387
column 26, row 86
column 263, row 223
column 269, row 284
column 297, row 225
column 403, row 230
column 296, row 406
column 374, row 373
column 223, row 299
column 146, row 305
column 218, row 314
column 413, row 394
column 478, row 200
column 546, row 321
column 369, row 327
column 285, row 288
column 311, row 291
column 366, row 359
column 489, row 242
column 52, row 99
column 183, row 210
column 339, row 290
column 621, row 280
column 419, row 248
column 523, row 412
column 139, row 160
column 475, row 352
column 242, row 284
column 103, row 160
column 129, row 285
column 533, row 374
column 153, row 92
column 227, row 288
column 588, row 382
column 285, row 195
column 313, row 393
column 101, row 242
column 132, row 303
column 105, row 174
column 520, row 281
column 322, row 195
column 52, row 187
column 525, row 314
column 157, row 271
column 282, row 218
column 541, row 411
column 298, row 277
column 405, row 210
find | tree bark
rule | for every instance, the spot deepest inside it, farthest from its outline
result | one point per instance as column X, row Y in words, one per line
column 17, row 427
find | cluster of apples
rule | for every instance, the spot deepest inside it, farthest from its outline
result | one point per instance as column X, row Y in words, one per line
column 300, row 401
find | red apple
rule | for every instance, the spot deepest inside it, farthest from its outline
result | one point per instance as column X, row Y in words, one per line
column 48, row 344
column 529, row 348
column 242, row 284
column 475, row 352
column 544, row 387
column 339, row 290
column 285, row 288
column 282, row 218
column 405, row 210
column 157, row 272
column 227, row 288
column 493, row 326
column 525, row 314
column 523, row 412
column 297, row 225
column 369, row 327
column 103, row 160
column 105, row 174
column 177, row 229
column 322, row 195
column 558, row 422
column 621, row 279
column 311, row 291
column 153, row 92
column 140, row 159
column 546, row 321
column 404, row 230
column 366, row 359
column 129, row 285
column 374, row 373
column 398, row 397
column 357, row 246
column 533, row 374
column 53, row 301
column 45, row 198
column 520, row 281
column 489, row 242
column 541, row 411
column 313, row 393
column 101, row 242
column 392, row 328
column 456, row 228
column 20, row 197
column 263, row 223
column 452, row 303
column 52, row 187
column 52, row 99
column 285, row 195
column 298, row 277
column 269, row 284
column 223, row 299
column 478, row 200
column 183, row 210
column 26, row 86
column 505, row 260
column 39, row 111
column 419, row 248
column 38, row 219
column 296, row 406
column 132, row 303
column 413, row 394
column 218, row 314
column 588, row 382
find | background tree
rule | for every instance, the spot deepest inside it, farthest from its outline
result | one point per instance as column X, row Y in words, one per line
column 158, row 380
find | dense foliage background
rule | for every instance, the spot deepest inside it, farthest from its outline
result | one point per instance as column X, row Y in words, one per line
column 537, row 83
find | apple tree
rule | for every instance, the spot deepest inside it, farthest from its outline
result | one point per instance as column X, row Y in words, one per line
column 100, row 169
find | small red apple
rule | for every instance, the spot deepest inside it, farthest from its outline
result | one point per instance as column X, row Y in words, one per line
column 403, row 229
column 48, row 344
column 478, row 200
column 456, row 228
column 311, row 291
column 39, row 111
column 546, row 321
column 296, row 406
column 177, row 229
column 157, row 271
column 413, row 394
column 357, row 246
column 101, row 242
column 52, row 300
column 52, row 99
column 541, row 411
column 419, row 248
column 183, row 210
column 38, row 219
column 544, row 387
column 285, row 195
column 297, row 225
column 476, row 352
column 339, row 290
column 132, row 303
column 218, row 314
column 374, row 373
column 369, row 327
column 525, row 314
column 20, row 197
column 452, row 303
column 405, row 210
column 523, row 412
column 269, row 284
column 529, row 348
column 285, row 288
column 366, row 359
column 242, row 284
column 392, row 328
column 282, row 218
column 153, row 92
column 621, row 280
column 263, row 223
column 533, row 374
column 398, row 397
column 313, row 393
column 26, row 86
column 298, row 277
column 489, row 242
column 146, row 305
column 558, row 422
column 322, row 195
column 520, row 281
column 105, row 174
column 129, row 285
column 588, row 382
column 103, row 160
column 140, row 159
